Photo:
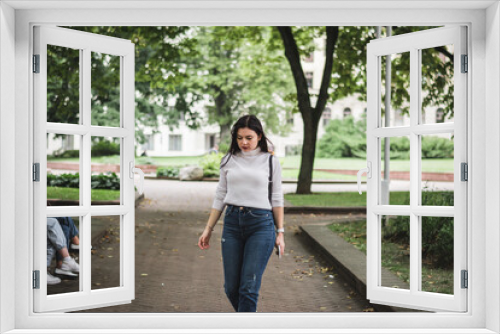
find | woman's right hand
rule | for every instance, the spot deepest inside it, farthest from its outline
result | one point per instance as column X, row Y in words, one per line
column 204, row 241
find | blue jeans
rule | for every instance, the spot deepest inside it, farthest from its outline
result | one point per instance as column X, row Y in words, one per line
column 70, row 231
column 55, row 239
column 247, row 243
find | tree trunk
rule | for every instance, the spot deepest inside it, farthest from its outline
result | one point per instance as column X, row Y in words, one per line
column 308, row 153
column 225, row 132
column 310, row 116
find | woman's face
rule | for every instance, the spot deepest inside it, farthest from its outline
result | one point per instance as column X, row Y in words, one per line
column 247, row 139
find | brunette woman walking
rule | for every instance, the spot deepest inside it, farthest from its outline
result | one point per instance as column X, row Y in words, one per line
column 250, row 189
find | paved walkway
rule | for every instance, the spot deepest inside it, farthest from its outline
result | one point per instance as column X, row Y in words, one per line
column 173, row 275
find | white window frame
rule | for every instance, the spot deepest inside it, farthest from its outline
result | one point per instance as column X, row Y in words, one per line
column 484, row 211
column 85, row 43
column 414, row 297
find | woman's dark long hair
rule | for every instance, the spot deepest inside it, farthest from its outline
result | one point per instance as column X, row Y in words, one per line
column 247, row 121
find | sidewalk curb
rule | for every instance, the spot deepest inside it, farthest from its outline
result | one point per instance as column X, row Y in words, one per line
column 326, row 209
column 213, row 179
column 350, row 262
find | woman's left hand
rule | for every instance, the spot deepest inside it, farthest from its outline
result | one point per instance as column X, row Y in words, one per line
column 280, row 241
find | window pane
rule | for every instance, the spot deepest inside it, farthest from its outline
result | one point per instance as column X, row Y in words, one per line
column 105, row 182
column 437, row 169
column 175, row 143
column 63, row 276
column 437, row 254
column 398, row 166
column 105, row 252
column 63, row 85
column 437, row 84
column 399, row 98
column 63, row 167
column 105, row 90
column 395, row 251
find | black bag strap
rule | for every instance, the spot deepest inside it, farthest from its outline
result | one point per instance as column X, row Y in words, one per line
column 270, row 184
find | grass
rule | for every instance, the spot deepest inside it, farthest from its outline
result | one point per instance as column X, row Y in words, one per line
column 396, row 258
column 74, row 194
column 342, row 199
column 428, row 165
column 160, row 161
column 317, row 175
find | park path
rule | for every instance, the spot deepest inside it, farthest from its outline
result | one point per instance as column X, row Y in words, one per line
column 174, row 275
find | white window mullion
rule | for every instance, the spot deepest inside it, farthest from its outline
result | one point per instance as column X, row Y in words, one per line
column 391, row 132
column 127, row 229
column 85, row 177
column 415, row 247
column 373, row 156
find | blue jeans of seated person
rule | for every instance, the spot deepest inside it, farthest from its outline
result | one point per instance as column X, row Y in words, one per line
column 247, row 243
column 70, row 231
column 55, row 239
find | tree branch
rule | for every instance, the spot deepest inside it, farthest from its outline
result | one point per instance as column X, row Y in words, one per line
column 293, row 56
column 332, row 35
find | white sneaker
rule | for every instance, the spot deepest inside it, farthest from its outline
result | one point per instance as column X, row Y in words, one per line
column 52, row 280
column 74, row 247
column 69, row 267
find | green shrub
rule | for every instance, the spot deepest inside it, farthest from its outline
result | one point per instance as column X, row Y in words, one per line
column 437, row 232
column 437, row 147
column 343, row 138
column 170, row 171
column 102, row 181
column 105, row 181
column 67, row 154
column 346, row 138
column 104, row 148
column 63, row 180
column 211, row 164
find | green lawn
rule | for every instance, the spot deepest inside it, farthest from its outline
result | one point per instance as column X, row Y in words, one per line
column 161, row 161
column 396, row 258
column 74, row 193
column 342, row 199
column 428, row 165
column 317, row 175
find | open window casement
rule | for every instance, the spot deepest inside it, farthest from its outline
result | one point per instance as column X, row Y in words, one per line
column 66, row 119
column 422, row 215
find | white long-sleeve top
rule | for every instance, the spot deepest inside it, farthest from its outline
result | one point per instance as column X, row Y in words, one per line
column 244, row 181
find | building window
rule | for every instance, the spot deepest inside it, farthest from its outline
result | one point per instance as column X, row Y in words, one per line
column 327, row 116
column 309, row 79
column 149, row 145
column 347, row 112
column 175, row 142
column 398, row 118
column 209, row 142
column 68, row 143
column 440, row 115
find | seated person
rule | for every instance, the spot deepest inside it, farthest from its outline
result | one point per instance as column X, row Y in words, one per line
column 57, row 244
column 70, row 232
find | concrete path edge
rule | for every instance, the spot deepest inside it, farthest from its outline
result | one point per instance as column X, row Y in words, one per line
column 349, row 261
